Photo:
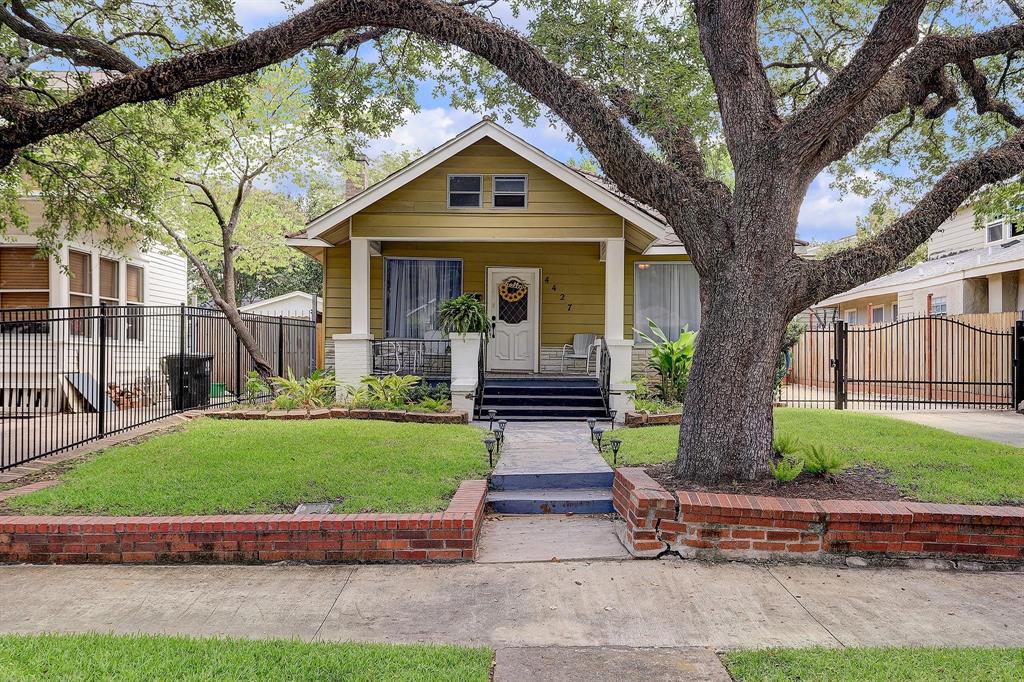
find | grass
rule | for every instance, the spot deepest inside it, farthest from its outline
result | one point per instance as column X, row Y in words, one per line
column 233, row 466
column 926, row 463
column 882, row 664
column 127, row 658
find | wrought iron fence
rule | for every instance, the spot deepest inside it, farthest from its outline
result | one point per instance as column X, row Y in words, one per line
column 605, row 374
column 72, row 375
column 915, row 363
column 428, row 358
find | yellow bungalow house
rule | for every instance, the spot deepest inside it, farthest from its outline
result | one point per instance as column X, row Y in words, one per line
column 557, row 255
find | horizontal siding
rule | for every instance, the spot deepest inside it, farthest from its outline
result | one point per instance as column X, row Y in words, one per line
column 165, row 278
column 574, row 269
column 956, row 234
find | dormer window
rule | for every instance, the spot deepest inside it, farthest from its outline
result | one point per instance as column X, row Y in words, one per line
column 465, row 191
column 509, row 191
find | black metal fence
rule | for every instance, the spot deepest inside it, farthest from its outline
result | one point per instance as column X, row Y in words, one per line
column 911, row 364
column 72, row 375
column 428, row 358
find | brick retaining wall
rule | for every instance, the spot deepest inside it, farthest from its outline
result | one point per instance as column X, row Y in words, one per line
column 450, row 535
column 711, row 525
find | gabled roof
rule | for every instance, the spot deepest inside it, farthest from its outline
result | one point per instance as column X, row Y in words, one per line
column 594, row 187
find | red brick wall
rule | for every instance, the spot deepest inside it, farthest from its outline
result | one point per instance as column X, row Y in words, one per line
column 450, row 535
column 714, row 525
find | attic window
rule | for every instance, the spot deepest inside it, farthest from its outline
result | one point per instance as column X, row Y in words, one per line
column 465, row 191
column 509, row 191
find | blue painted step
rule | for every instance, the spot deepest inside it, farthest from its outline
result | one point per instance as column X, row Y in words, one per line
column 557, row 480
column 552, row 501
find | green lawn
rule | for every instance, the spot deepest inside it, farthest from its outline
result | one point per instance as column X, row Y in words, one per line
column 123, row 658
column 882, row 664
column 227, row 466
column 929, row 464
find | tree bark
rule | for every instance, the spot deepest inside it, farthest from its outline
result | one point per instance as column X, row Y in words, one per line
column 727, row 430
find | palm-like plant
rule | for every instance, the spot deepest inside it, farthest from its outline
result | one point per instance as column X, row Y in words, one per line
column 462, row 315
column 315, row 391
column 671, row 359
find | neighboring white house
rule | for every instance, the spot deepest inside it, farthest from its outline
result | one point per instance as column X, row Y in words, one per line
column 968, row 270
column 292, row 304
column 49, row 358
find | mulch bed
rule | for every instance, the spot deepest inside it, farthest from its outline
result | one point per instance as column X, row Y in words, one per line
column 856, row 483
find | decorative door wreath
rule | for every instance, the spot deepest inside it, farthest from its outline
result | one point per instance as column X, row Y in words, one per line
column 512, row 289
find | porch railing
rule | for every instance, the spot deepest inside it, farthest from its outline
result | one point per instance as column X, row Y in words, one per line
column 605, row 374
column 429, row 358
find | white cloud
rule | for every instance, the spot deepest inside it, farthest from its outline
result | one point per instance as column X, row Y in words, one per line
column 825, row 215
column 424, row 130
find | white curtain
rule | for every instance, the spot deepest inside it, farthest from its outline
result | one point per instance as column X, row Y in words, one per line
column 667, row 294
column 413, row 288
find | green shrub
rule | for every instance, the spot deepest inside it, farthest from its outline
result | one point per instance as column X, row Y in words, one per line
column 786, row 446
column 388, row 392
column 315, row 391
column 255, row 387
column 463, row 314
column 786, row 469
column 821, row 461
column 425, row 389
column 794, row 331
column 431, row 405
column 671, row 359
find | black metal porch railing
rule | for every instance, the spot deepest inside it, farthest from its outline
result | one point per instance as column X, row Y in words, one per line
column 72, row 375
column 428, row 358
column 605, row 374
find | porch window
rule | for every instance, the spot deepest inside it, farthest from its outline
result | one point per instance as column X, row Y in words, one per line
column 509, row 191
column 939, row 306
column 667, row 294
column 877, row 315
column 24, row 279
column 413, row 288
column 465, row 191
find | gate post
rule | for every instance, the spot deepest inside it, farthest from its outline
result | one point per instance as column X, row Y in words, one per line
column 1018, row 362
column 101, row 399
column 839, row 364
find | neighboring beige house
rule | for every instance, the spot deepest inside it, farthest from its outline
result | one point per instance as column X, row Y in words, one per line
column 552, row 251
column 968, row 270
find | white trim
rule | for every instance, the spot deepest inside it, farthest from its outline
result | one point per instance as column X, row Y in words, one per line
column 525, row 193
column 305, row 241
column 448, row 192
column 360, row 292
column 665, row 251
column 471, row 135
column 614, row 289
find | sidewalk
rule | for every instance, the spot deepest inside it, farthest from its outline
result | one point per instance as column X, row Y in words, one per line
column 668, row 603
column 1002, row 426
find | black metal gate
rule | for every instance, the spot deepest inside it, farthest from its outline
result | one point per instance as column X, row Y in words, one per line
column 911, row 364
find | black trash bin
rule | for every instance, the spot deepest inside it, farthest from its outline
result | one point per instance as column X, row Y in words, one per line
column 189, row 379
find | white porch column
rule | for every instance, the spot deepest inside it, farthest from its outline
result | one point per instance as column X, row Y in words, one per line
column 360, row 285
column 620, row 349
column 353, row 352
column 465, row 370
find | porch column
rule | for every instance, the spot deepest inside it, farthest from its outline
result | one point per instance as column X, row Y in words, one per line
column 620, row 349
column 353, row 352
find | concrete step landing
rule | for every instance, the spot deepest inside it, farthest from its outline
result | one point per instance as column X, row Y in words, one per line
column 552, row 501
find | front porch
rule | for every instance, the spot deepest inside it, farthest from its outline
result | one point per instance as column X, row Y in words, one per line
column 539, row 295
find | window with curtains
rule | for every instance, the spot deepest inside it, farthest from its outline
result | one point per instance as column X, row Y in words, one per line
column 413, row 288
column 668, row 295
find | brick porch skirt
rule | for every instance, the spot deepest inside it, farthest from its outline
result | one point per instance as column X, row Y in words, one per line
column 450, row 535
column 719, row 526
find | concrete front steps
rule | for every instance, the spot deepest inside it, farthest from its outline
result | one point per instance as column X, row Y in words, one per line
column 552, row 493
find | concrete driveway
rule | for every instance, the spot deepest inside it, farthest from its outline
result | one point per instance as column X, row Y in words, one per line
column 1002, row 426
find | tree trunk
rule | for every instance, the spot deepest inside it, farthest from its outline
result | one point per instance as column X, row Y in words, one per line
column 248, row 341
column 726, row 432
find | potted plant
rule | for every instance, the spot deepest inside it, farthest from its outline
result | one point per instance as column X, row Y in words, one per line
column 464, row 318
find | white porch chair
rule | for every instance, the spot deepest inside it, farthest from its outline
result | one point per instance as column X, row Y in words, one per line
column 581, row 348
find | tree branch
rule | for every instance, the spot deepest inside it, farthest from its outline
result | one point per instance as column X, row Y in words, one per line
column 893, row 32
column 881, row 254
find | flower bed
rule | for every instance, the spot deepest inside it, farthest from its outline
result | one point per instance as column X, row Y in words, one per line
column 453, row 417
column 718, row 526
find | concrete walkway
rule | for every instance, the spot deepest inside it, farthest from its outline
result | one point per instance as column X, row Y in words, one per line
column 1002, row 426
column 667, row 603
column 549, row 448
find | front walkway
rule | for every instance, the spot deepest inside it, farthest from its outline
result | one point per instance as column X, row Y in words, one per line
column 549, row 448
column 667, row 603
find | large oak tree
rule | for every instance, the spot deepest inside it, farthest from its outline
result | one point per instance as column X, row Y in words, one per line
column 872, row 72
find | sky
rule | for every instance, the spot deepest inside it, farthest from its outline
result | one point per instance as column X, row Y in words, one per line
column 824, row 215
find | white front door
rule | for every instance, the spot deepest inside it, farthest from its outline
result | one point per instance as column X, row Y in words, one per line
column 513, row 308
